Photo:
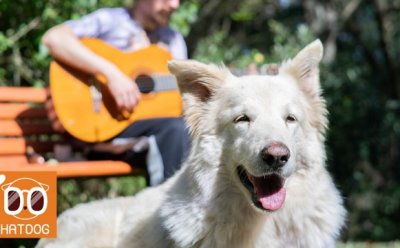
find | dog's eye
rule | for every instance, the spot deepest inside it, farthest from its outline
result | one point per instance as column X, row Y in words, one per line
column 291, row 118
column 241, row 118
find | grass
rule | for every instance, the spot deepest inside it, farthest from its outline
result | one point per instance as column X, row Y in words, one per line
column 395, row 244
column 74, row 191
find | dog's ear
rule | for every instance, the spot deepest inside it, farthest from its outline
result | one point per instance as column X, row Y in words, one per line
column 197, row 79
column 197, row 83
column 305, row 67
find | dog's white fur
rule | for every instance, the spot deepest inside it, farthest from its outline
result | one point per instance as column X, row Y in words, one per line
column 205, row 204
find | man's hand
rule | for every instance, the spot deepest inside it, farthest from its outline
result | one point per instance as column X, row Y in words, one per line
column 124, row 90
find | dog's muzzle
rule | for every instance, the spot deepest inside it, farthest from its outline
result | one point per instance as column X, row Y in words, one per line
column 267, row 191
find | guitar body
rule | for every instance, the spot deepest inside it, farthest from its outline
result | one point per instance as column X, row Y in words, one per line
column 96, row 119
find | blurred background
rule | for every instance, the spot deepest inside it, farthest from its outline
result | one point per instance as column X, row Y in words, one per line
column 360, row 77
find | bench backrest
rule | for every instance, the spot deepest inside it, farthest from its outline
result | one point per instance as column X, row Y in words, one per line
column 24, row 123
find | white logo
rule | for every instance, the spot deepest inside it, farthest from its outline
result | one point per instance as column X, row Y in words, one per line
column 33, row 199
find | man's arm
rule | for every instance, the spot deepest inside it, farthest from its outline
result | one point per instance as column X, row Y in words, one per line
column 65, row 46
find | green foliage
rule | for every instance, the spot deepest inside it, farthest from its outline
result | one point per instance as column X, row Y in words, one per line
column 360, row 83
column 185, row 16
column 210, row 49
column 363, row 140
column 23, row 60
column 220, row 46
column 72, row 192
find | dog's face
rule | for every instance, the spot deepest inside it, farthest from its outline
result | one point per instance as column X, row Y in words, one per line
column 261, row 122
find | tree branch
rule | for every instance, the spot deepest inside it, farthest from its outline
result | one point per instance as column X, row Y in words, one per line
column 34, row 23
column 390, row 85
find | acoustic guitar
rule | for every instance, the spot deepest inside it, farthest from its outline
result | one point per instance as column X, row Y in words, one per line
column 86, row 108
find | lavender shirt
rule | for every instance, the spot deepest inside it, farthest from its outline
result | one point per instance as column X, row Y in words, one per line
column 116, row 27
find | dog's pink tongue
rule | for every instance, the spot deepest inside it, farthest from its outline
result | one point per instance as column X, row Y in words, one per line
column 274, row 201
column 269, row 190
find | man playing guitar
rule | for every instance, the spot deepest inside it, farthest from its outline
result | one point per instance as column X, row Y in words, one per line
column 128, row 29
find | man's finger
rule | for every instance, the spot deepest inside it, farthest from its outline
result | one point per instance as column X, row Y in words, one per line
column 129, row 103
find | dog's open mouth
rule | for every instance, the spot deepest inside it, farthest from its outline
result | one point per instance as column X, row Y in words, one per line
column 267, row 191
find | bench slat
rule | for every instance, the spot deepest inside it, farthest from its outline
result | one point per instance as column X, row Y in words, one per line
column 23, row 94
column 13, row 128
column 16, row 110
column 7, row 160
column 21, row 110
column 16, row 146
column 79, row 169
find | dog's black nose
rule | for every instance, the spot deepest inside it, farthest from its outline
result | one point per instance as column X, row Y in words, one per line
column 275, row 155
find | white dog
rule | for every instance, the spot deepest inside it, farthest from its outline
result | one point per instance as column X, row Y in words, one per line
column 255, row 176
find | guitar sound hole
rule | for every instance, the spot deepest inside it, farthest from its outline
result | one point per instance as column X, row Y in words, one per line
column 145, row 83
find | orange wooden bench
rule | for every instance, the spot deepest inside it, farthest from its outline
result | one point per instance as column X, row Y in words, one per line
column 24, row 123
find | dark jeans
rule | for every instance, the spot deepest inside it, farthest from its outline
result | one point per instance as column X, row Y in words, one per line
column 172, row 139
